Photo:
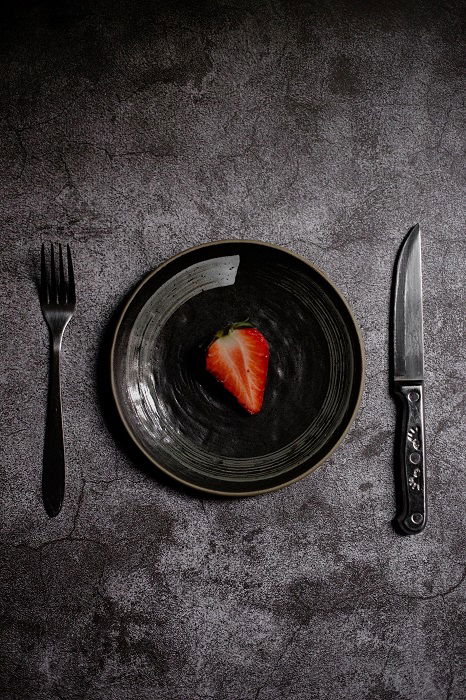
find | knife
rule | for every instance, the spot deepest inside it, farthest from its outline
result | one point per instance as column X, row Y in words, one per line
column 408, row 383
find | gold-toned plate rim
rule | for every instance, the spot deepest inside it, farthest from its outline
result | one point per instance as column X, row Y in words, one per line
column 350, row 421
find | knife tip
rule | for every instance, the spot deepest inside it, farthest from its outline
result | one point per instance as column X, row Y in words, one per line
column 413, row 233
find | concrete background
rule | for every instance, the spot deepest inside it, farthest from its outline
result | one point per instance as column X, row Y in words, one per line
column 135, row 130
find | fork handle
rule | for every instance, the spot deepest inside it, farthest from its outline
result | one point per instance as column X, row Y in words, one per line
column 53, row 473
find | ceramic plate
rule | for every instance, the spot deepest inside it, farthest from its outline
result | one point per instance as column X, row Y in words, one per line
column 183, row 420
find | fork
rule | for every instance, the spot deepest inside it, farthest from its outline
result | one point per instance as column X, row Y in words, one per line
column 58, row 302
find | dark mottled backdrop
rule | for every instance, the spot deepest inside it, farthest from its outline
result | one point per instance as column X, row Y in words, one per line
column 137, row 129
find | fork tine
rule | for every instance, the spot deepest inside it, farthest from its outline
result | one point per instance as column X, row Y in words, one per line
column 71, row 286
column 44, row 292
column 62, row 281
column 53, row 275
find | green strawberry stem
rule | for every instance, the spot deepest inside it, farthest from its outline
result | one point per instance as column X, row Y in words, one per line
column 233, row 327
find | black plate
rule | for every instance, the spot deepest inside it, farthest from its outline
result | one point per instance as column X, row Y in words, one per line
column 184, row 421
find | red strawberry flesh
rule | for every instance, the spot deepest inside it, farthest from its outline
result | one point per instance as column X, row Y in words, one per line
column 238, row 357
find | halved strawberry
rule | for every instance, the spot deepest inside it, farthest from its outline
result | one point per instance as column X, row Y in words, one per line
column 238, row 357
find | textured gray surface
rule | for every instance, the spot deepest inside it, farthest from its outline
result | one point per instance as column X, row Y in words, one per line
column 135, row 134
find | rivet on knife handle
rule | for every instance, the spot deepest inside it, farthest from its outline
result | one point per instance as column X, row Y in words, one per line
column 412, row 517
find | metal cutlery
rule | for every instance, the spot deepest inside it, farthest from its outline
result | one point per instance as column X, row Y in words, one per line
column 408, row 382
column 58, row 302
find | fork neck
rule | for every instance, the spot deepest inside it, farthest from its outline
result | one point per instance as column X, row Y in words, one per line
column 56, row 341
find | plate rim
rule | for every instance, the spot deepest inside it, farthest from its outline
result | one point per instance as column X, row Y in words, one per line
column 350, row 421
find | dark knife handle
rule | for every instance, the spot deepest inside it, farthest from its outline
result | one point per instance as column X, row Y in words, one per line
column 412, row 516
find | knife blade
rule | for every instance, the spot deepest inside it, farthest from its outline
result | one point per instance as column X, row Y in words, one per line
column 408, row 382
